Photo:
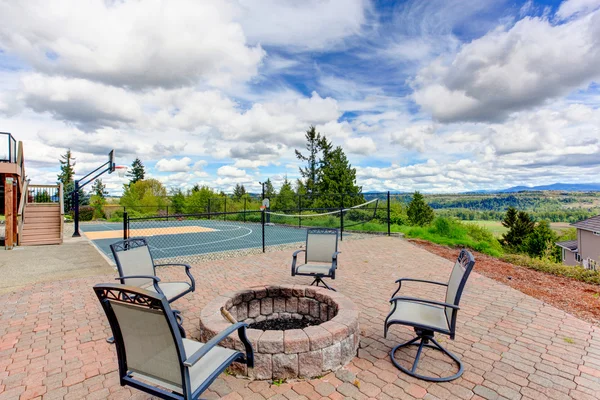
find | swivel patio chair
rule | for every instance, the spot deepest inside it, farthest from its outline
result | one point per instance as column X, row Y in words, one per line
column 152, row 355
column 429, row 316
column 136, row 267
column 322, row 249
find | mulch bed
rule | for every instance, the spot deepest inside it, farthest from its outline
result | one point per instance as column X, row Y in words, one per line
column 577, row 298
column 282, row 324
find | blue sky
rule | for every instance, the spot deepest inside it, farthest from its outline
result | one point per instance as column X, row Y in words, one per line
column 437, row 96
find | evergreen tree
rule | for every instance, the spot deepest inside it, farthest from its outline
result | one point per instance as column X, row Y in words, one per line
column 510, row 218
column 137, row 172
column 239, row 191
column 419, row 212
column 537, row 242
column 269, row 190
column 315, row 145
column 337, row 177
column 521, row 227
column 286, row 198
column 99, row 189
column 67, row 168
column 177, row 201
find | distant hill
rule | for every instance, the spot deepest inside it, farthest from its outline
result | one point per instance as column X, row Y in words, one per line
column 564, row 187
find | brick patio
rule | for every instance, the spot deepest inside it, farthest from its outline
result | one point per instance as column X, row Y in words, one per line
column 513, row 346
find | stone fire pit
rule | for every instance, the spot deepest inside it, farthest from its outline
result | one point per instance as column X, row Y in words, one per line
column 329, row 344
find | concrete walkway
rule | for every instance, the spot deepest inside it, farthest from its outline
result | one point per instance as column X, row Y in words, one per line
column 75, row 258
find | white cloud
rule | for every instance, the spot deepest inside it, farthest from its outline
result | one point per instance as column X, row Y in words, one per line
column 569, row 8
column 174, row 165
column 230, row 171
column 511, row 69
column 361, row 145
column 309, row 24
column 133, row 44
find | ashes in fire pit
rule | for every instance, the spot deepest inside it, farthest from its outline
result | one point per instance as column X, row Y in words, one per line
column 283, row 324
column 296, row 331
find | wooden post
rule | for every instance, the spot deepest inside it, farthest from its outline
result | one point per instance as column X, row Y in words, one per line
column 9, row 213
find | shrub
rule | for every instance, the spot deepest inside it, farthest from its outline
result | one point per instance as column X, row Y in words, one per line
column 574, row 272
column 86, row 213
column 419, row 212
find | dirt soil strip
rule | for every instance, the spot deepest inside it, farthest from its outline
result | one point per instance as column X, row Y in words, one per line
column 116, row 234
column 577, row 298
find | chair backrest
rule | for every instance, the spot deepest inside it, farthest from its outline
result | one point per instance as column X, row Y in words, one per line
column 458, row 278
column 133, row 258
column 321, row 243
column 146, row 336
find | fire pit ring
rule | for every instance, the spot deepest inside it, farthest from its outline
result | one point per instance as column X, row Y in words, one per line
column 294, row 353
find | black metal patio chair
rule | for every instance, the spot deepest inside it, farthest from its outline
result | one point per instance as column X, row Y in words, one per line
column 320, row 256
column 136, row 268
column 153, row 356
column 429, row 316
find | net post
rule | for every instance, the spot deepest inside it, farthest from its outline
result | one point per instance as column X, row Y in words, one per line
column 388, row 214
column 125, row 224
column 262, row 218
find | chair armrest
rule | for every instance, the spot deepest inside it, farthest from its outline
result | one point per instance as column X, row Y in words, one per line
column 187, row 271
column 417, row 300
column 241, row 328
column 420, row 280
column 155, row 280
column 294, row 259
column 399, row 282
column 333, row 264
column 335, row 254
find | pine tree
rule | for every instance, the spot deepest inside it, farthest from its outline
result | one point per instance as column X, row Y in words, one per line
column 315, row 144
column 137, row 172
column 419, row 212
column 519, row 227
column 286, row 198
column 99, row 189
column 239, row 191
column 510, row 218
column 337, row 177
column 269, row 190
column 67, row 168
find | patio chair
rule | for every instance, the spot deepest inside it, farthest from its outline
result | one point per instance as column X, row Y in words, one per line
column 152, row 355
column 136, row 267
column 428, row 316
column 321, row 248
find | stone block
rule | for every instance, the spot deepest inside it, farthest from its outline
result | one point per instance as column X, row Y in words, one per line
column 304, row 306
column 348, row 350
column 332, row 357
column 311, row 292
column 271, row 342
column 295, row 341
column 291, row 304
column 286, row 290
column 242, row 311
column 261, row 318
column 260, row 292
column 310, row 364
column 319, row 337
column 263, row 367
column 266, row 306
column 314, row 309
column 247, row 295
column 254, row 308
column 279, row 304
column 285, row 365
column 298, row 291
column 273, row 291
column 324, row 312
column 338, row 331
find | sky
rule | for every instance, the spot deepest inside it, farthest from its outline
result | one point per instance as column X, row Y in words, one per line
column 437, row 96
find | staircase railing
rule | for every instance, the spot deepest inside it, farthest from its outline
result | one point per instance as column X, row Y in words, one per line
column 44, row 194
column 21, row 211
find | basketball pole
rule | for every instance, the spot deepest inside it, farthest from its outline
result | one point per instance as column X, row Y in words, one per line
column 80, row 183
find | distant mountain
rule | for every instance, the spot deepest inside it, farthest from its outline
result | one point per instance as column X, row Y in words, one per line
column 563, row 187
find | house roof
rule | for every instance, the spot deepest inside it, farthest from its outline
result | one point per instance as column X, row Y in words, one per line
column 570, row 245
column 590, row 224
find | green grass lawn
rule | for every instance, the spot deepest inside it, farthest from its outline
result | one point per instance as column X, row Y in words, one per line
column 497, row 229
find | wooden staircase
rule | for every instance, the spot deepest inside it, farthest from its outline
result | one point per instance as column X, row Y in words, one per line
column 42, row 224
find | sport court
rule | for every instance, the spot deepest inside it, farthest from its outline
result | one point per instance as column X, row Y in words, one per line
column 180, row 238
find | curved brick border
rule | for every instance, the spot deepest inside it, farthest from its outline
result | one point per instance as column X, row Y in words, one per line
column 295, row 353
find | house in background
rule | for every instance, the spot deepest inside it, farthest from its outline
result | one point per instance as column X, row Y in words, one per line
column 584, row 251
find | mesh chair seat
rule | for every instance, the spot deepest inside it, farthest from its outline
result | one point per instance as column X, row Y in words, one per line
column 171, row 289
column 419, row 314
column 313, row 269
column 202, row 370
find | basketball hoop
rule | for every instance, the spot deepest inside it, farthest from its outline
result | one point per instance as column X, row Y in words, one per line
column 121, row 170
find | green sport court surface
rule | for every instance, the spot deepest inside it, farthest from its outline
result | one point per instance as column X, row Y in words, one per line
column 166, row 239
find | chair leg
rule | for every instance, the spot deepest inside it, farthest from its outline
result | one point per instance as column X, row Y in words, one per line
column 423, row 339
column 319, row 280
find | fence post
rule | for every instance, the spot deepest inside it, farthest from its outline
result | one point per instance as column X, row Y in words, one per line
column 209, row 208
column 167, row 213
column 388, row 214
column 125, row 225
column 225, row 210
column 262, row 219
column 299, row 212
column 342, row 217
column 245, row 210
